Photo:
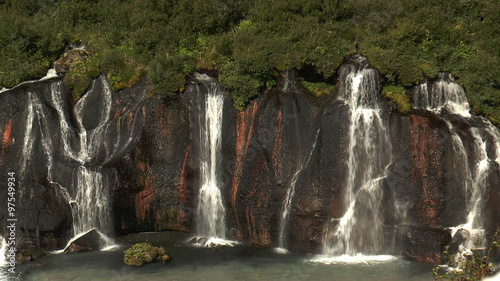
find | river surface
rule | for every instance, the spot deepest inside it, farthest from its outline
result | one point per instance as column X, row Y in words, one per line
column 241, row 262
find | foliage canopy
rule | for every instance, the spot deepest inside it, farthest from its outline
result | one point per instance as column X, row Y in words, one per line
column 249, row 42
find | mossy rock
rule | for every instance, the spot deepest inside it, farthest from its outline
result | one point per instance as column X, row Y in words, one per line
column 319, row 89
column 142, row 253
column 397, row 95
column 68, row 60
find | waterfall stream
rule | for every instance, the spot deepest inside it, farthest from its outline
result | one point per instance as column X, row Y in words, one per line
column 447, row 99
column 4, row 274
column 210, row 212
column 359, row 230
column 91, row 202
column 85, row 139
column 287, row 204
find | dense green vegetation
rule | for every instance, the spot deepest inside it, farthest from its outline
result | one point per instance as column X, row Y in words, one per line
column 473, row 266
column 249, row 42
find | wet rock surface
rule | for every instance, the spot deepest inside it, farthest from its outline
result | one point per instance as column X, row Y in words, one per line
column 90, row 241
column 157, row 174
column 422, row 243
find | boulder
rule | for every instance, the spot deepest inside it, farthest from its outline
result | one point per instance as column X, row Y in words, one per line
column 30, row 254
column 421, row 243
column 142, row 253
column 90, row 241
column 458, row 239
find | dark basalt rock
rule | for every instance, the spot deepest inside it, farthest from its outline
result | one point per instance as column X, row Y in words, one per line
column 422, row 243
column 30, row 254
column 458, row 239
column 152, row 149
column 90, row 241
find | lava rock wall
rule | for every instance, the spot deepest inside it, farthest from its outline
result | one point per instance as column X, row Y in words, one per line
column 263, row 147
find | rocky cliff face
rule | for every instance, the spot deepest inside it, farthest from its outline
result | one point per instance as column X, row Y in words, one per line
column 263, row 147
column 57, row 147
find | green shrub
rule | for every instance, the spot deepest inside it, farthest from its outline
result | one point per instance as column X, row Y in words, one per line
column 251, row 42
column 475, row 266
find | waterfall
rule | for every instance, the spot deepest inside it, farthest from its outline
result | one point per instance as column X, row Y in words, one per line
column 287, row 203
column 445, row 94
column 27, row 140
column 472, row 166
column 36, row 118
column 289, row 84
column 359, row 230
column 90, row 206
column 210, row 212
column 4, row 264
column 83, row 140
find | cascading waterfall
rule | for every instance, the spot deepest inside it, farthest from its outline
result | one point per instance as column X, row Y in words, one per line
column 287, row 204
column 94, row 141
column 445, row 94
column 210, row 219
column 289, row 84
column 472, row 166
column 3, row 259
column 369, row 153
column 36, row 115
column 90, row 206
column 27, row 140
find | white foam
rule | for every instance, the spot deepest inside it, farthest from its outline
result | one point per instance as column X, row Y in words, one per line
column 280, row 250
column 347, row 259
column 51, row 73
column 3, row 252
column 212, row 242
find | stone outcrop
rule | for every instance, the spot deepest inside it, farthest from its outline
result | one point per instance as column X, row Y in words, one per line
column 422, row 244
column 90, row 241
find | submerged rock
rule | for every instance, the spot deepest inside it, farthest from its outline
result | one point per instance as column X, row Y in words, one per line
column 142, row 253
column 90, row 241
column 30, row 254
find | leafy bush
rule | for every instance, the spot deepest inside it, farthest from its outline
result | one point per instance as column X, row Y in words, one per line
column 251, row 42
column 475, row 266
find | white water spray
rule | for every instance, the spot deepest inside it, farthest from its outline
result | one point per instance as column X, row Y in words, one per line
column 359, row 230
column 472, row 166
column 210, row 213
column 445, row 94
column 3, row 259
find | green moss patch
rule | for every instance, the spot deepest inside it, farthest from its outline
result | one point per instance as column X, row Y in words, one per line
column 319, row 89
column 142, row 253
column 397, row 95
